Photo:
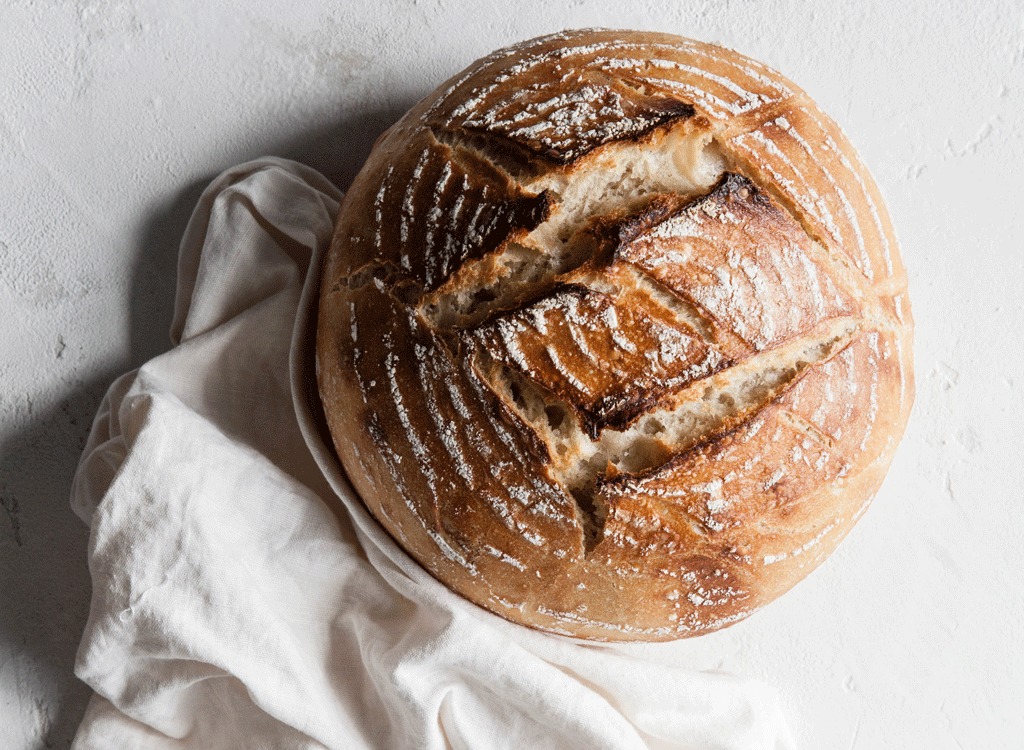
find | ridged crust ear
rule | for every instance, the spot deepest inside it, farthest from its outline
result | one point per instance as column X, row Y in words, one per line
column 613, row 335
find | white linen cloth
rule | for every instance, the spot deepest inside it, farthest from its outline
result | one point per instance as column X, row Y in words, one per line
column 244, row 598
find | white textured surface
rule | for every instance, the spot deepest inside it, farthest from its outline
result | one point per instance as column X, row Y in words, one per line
column 114, row 114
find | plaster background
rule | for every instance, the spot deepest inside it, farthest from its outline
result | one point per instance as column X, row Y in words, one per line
column 114, row 114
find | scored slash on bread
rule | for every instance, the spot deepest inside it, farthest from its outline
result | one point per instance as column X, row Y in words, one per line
column 613, row 335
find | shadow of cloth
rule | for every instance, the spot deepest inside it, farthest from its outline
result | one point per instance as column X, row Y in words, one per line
column 44, row 577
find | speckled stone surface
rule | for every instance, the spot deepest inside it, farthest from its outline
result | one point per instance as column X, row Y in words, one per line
column 113, row 115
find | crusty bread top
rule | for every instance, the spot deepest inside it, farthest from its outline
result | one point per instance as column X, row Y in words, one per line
column 613, row 335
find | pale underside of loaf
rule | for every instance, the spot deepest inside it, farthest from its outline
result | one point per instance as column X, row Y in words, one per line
column 614, row 337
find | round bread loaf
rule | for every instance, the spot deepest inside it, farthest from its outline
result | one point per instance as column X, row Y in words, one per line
column 613, row 335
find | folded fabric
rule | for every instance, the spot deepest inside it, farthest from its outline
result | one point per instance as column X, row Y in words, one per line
column 244, row 598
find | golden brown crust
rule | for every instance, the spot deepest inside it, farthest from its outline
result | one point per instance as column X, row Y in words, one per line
column 780, row 289
column 645, row 350
column 613, row 335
